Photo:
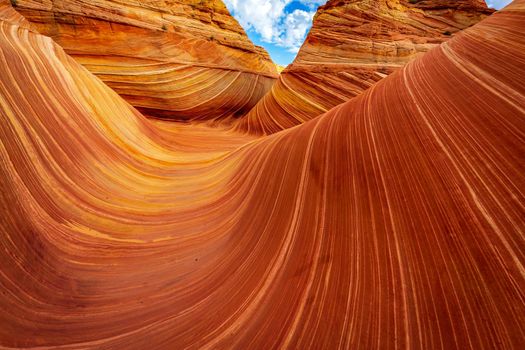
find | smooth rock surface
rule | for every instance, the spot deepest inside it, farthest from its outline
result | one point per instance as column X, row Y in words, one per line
column 352, row 45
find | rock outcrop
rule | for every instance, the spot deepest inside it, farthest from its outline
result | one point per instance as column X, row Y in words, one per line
column 178, row 59
column 352, row 45
column 9, row 14
column 393, row 221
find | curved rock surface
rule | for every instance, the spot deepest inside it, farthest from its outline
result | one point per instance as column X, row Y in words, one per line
column 178, row 59
column 352, row 45
column 393, row 221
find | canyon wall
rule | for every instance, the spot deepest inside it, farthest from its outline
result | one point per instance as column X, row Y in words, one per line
column 176, row 59
column 393, row 221
column 352, row 45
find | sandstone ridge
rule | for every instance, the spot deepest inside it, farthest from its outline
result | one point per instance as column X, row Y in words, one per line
column 177, row 59
column 352, row 45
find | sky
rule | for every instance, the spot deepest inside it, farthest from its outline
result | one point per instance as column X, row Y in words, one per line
column 497, row 4
column 281, row 26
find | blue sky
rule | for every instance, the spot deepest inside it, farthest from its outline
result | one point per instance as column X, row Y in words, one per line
column 498, row 4
column 281, row 26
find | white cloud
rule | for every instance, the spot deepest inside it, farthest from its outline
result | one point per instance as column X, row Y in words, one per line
column 313, row 4
column 296, row 23
column 270, row 20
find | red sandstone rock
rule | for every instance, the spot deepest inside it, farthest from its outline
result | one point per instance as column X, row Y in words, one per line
column 176, row 59
column 9, row 14
column 394, row 221
column 352, row 45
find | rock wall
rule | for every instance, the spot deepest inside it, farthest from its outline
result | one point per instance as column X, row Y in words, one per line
column 393, row 221
column 352, row 45
column 178, row 59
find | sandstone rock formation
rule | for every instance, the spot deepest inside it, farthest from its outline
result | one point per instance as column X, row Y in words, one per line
column 8, row 14
column 393, row 221
column 176, row 59
column 352, row 45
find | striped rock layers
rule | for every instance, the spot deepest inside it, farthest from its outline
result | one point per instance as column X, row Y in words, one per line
column 394, row 221
column 8, row 13
column 352, row 45
column 178, row 59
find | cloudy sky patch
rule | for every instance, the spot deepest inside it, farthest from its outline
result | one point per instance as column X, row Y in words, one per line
column 278, row 25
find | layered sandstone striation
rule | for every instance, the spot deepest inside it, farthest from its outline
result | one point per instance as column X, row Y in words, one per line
column 393, row 221
column 178, row 59
column 9, row 14
column 352, row 45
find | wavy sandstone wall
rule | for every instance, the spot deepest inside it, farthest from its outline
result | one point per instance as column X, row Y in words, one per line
column 178, row 59
column 393, row 221
column 352, row 45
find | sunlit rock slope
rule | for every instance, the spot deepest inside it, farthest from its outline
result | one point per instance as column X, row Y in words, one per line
column 177, row 59
column 352, row 45
column 393, row 221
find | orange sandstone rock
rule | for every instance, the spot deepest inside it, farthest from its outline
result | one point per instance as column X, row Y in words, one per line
column 9, row 14
column 179, row 59
column 393, row 221
column 352, row 45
